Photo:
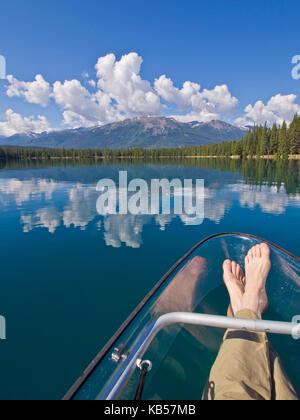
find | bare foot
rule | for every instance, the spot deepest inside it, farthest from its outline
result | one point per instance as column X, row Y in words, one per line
column 249, row 293
column 234, row 279
column 258, row 265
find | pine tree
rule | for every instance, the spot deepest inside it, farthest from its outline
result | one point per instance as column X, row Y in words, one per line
column 294, row 136
column 263, row 143
column 274, row 142
column 284, row 149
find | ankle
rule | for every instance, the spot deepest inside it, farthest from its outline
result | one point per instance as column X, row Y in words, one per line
column 254, row 296
column 252, row 304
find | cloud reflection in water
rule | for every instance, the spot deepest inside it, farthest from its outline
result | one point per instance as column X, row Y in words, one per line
column 49, row 204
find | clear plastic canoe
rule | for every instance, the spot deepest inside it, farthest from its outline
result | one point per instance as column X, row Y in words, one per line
column 180, row 324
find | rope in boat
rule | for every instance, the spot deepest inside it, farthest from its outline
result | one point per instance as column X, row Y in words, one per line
column 145, row 367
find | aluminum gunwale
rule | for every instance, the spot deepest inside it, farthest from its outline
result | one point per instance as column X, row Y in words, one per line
column 93, row 365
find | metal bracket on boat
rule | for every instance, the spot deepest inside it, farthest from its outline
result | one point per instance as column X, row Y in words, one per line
column 120, row 354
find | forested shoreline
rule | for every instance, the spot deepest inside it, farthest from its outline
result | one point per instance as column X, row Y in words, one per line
column 278, row 142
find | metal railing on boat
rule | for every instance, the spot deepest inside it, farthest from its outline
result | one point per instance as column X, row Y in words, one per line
column 182, row 318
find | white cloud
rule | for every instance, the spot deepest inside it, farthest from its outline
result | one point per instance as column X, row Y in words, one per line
column 121, row 80
column 119, row 91
column 220, row 99
column 217, row 203
column 92, row 83
column 37, row 92
column 185, row 98
column 204, row 105
column 77, row 207
column 278, row 109
column 14, row 123
column 23, row 191
column 48, row 218
column 80, row 107
column 81, row 208
column 125, row 229
column 269, row 199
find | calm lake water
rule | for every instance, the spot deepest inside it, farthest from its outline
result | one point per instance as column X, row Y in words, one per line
column 70, row 277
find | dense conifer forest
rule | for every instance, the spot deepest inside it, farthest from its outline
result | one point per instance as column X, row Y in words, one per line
column 278, row 142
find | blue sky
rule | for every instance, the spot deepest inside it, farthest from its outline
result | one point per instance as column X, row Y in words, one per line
column 246, row 45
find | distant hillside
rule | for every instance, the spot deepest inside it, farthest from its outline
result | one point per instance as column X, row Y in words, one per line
column 144, row 132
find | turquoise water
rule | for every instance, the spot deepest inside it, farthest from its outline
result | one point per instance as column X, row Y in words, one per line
column 70, row 277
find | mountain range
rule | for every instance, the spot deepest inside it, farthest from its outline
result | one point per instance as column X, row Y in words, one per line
column 143, row 132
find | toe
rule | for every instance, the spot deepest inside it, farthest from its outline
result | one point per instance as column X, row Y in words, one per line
column 251, row 253
column 234, row 265
column 227, row 266
column 229, row 275
column 265, row 250
column 236, row 270
column 239, row 273
column 258, row 252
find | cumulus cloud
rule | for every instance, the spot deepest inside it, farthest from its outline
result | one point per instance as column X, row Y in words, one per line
column 80, row 107
column 14, row 123
column 37, row 92
column 204, row 105
column 92, row 83
column 121, row 80
column 119, row 91
column 279, row 108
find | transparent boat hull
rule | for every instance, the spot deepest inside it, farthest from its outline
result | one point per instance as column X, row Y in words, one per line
column 182, row 356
